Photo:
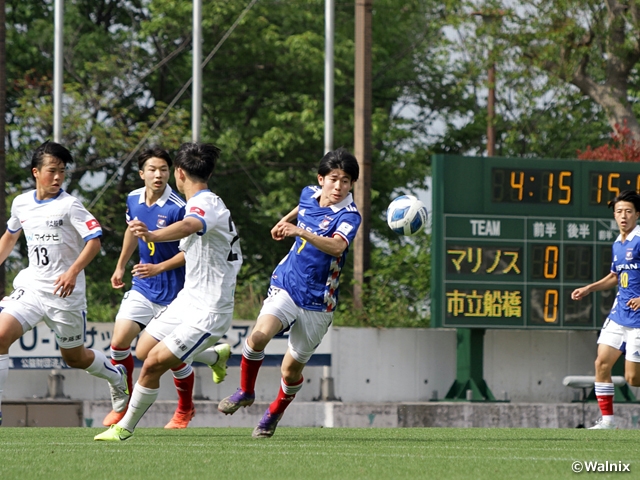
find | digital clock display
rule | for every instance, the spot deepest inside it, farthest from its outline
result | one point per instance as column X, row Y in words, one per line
column 531, row 186
column 604, row 186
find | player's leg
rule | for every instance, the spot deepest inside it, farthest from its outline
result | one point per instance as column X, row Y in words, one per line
column 216, row 357
column 304, row 337
column 145, row 392
column 10, row 331
column 632, row 358
column 183, row 377
column 610, row 343
column 124, row 332
column 290, row 384
column 278, row 312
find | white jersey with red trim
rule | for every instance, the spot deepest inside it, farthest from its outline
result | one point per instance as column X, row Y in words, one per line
column 212, row 255
column 310, row 276
column 56, row 230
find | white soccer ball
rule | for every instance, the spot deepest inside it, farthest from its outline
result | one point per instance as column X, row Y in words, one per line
column 406, row 215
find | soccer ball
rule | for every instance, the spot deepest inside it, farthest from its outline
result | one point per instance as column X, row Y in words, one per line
column 406, row 215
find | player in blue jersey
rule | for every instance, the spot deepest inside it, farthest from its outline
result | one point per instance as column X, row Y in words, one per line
column 62, row 239
column 621, row 330
column 304, row 286
column 157, row 278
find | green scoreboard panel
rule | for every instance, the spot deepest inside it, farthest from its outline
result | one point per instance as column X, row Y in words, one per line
column 512, row 238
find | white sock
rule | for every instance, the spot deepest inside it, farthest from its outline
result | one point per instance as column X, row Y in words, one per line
column 609, row 418
column 4, row 373
column 102, row 368
column 208, row 356
column 141, row 399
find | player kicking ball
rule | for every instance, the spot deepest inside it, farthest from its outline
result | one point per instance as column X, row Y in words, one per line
column 157, row 279
column 202, row 312
column 304, row 286
column 62, row 239
column 621, row 330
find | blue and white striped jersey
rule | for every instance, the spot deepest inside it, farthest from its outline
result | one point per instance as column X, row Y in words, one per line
column 626, row 264
column 310, row 276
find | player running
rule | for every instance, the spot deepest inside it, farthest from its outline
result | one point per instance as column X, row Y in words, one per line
column 62, row 239
column 202, row 312
column 621, row 330
column 157, row 278
column 304, row 286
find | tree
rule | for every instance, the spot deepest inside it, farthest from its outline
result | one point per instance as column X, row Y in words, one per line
column 592, row 45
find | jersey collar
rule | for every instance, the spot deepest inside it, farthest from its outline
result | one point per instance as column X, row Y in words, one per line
column 338, row 206
column 161, row 201
column 633, row 233
column 35, row 197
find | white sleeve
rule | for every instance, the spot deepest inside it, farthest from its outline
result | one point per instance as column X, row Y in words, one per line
column 85, row 223
column 202, row 208
column 13, row 224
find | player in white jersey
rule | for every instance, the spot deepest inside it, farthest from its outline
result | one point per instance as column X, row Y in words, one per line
column 62, row 239
column 621, row 330
column 157, row 277
column 304, row 286
column 201, row 313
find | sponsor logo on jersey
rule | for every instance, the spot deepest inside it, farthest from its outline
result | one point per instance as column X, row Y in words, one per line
column 93, row 223
column 302, row 212
column 54, row 222
column 43, row 238
column 197, row 211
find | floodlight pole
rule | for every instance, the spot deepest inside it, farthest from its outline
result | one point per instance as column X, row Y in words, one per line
column 196, row 97
column 329, row 27
column 58, row 44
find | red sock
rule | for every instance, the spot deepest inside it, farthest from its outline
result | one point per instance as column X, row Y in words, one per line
column 285, row 395
column 184, row 386
column 605, row 402
column 249, row 374
column 127, row 363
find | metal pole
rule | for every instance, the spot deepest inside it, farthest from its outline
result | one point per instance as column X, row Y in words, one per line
column 329, row 28
column 58, row 44
column 491, row 101
column 196, row 98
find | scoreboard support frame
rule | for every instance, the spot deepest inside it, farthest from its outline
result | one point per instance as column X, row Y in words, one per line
column 469, row 384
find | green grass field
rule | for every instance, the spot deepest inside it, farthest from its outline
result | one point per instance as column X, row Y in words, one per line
column 315, row 453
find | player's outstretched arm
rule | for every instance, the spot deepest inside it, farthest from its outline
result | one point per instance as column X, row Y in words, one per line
column 66, row 283
column 173, row 232
column 129, row 244
column 145, row 270
column 604, row 283
column 7, row 242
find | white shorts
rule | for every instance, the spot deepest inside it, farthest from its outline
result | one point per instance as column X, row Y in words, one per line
column 307, row 327
column 187, row 330
column 138, row 308
column 30, row 308
column 621, row 338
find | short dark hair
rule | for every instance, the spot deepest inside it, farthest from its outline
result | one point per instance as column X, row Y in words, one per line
column 339, row 159
column 626, row 196
column 198, row 160
column 154, row 152
column 50, row 149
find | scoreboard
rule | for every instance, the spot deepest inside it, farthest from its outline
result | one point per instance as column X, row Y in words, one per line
column 512, row 238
